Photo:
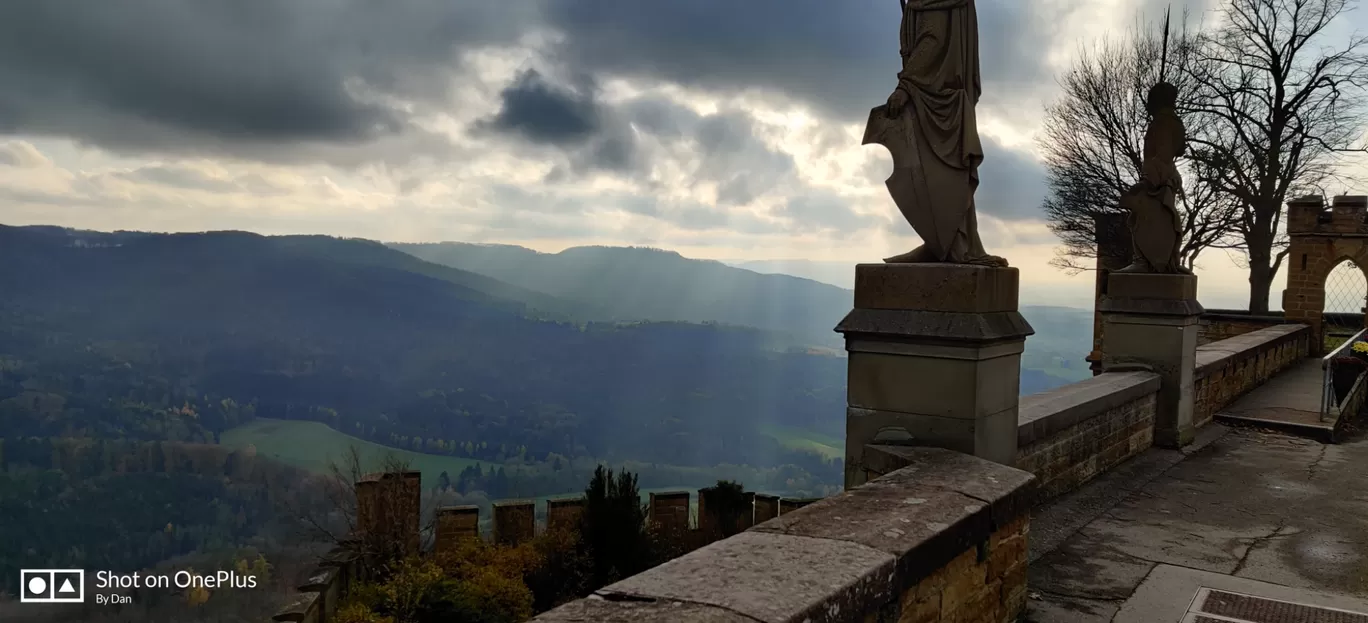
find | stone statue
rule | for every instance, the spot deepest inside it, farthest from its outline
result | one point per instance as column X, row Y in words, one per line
column 929, row 127
column 1156, row 228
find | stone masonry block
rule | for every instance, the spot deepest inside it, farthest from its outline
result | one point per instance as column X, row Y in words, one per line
column 455, row 523
column 936, row 287
column 1151, row 286
column 564, row 514
column 904, row 547
column 771, row 577
column 599, row 610
column 670, row 510
column 766, row 507
column 993, row 437
column 514, row 522
column 985, row 604
column 965, row 577
column 942, row 387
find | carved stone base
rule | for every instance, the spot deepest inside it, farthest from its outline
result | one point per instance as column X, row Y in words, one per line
column 1150, row 322
column 935, row 360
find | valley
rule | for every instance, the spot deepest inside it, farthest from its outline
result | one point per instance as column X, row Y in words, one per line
column 169, row 363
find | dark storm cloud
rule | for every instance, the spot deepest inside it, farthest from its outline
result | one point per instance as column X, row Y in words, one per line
column 840, row 57
column 1011, row 184
column 542, row 112
column 170, row 74
column 593, row 136
column 307, row 80
column 546, row 113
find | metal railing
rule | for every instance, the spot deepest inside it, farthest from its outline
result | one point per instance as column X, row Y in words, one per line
column 1329, row 410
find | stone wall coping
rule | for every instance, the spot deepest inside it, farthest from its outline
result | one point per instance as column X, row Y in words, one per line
column 1042, row 415
column 340, row 555
column 458, row 510
column 376, row 477
column 1239, row 314
column 935, row 326
column 299, row 608
column 1213, row 356
column 320, row 579
column 835, row 561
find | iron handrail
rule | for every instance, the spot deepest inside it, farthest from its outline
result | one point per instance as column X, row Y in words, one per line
column 1329, row 405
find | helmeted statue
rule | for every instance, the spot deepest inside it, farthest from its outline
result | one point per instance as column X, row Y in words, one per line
column 1156, row 227
column 929, row 127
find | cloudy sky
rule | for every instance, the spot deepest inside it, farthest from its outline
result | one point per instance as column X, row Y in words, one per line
column 721, row 129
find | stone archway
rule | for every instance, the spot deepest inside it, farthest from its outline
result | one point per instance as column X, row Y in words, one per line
column 1321, row 239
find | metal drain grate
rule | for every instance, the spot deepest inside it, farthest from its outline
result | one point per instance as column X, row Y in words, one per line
column 1237, row 608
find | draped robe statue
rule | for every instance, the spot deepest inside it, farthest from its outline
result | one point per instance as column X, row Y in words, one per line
column 929, row 127
column 1156, row 228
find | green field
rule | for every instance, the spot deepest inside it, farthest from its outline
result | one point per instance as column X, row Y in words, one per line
column 798, row 439
column 314, row 446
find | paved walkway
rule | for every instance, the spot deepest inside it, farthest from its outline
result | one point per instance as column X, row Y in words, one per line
column 1242, row 511
column 1289, row 401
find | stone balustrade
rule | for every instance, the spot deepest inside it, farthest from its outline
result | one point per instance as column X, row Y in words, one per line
column 934, row 535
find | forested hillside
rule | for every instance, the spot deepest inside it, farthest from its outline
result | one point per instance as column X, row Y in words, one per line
column 129, row 506
column 183, row 336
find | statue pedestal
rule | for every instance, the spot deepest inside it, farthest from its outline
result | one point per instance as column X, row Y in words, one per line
column 935, row 360
column 1150, row 322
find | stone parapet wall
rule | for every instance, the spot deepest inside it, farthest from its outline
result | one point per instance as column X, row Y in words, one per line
column 1069, row 435
column 1221, row 324
column 935, row 536
column 1229, row 368
column 322, row 593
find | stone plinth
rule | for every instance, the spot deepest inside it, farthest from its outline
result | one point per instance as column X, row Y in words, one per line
column 1150, row 322
column 1113, row 237
column 935, row 360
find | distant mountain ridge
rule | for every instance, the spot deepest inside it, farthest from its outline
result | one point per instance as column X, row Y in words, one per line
column 636, row 283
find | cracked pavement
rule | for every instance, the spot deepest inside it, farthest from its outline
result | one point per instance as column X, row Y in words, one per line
column 1251, row 504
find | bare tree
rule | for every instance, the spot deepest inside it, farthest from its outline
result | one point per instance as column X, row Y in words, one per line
column 1279, row 106
column 1093, row 144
